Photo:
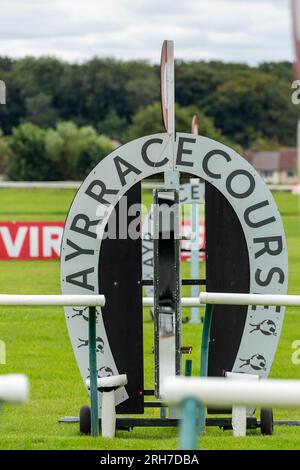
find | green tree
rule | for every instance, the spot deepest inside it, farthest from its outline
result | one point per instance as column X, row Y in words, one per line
column 39, row 110
column 92, row 149
column 148, row 121
column 29, row 160
column 75, row 151
column 62, row 149
column 5, row 153
column 113, row 125
column 257, row 105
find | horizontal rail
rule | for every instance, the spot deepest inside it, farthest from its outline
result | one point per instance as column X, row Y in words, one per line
column 54, row 300
column 14, row 388
column 185, row 301
column 249, row 299
column 222, row 392
column 184, row 282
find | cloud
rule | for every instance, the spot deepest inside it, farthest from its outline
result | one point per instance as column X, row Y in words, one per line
column 232, row 30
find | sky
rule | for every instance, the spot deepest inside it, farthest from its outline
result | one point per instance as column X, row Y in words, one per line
column 250, row 31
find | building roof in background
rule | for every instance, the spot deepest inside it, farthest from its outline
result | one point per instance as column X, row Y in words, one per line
column 284, row 159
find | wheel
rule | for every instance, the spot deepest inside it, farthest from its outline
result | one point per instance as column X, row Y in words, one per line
column 266, row 421
column 85, row 420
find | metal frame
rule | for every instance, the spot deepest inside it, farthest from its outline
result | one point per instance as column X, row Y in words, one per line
column 204, row 359
column 156, row 283
column 93, row 371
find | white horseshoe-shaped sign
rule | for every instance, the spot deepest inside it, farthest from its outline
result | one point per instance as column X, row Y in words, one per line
column 229, row 173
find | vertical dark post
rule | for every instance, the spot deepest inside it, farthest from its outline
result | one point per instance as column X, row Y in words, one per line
column 156, row 284
column 93, row 372
column 227, row 270
column 167, row 286
column 178, row 312
column 204, row 358
column 188, row 368
column 120, row 276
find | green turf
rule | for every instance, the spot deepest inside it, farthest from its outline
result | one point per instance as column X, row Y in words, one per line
column 37, row 344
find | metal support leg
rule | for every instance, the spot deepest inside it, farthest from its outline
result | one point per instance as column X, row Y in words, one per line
column 188, row 426
column 195, row 271
column 204, row 359
column 93, row 372
column 188, row 368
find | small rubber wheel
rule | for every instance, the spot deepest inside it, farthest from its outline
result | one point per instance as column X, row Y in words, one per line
column 266, row 421
column 85, row 420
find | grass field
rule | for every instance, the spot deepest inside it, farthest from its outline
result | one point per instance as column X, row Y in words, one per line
column 38, row 345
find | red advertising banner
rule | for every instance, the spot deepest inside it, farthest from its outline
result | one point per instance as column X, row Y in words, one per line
column 186, row 242
column 42, row 240
column 30, row 240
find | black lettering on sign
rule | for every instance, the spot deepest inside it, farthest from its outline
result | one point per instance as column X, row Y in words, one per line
column 83, row 275
column 78, row 251
column 183, row 151
column 149, row 262
column 267, row 246
column 242, row 194
column 145, row 154
column 195, row 188
column 81, row 224
column 206, row 159
column 269, row 277
column 253, row 208
column 146, row 249
column 97, row 190
column 118, row 161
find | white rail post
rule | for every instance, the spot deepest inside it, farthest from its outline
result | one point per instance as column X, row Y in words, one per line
column 107, row 386
column 239, row 413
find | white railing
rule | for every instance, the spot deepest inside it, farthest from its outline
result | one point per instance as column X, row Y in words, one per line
column 14, row 388
column 215, row 298
column 222, row 392
column 191, row 393
column 91, row 301
column 54, row 300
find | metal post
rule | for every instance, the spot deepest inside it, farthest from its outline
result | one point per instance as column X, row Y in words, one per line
column 167, row 297
column 204, row 359
column 188, row 368
column 188, row 426
column 93, row 372
column 156, row 282
column 195, row 274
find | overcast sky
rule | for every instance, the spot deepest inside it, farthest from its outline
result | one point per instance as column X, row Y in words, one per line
column 231, row 30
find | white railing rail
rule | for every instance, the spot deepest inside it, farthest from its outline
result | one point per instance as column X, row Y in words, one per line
column 14, row 388
column 54, row 300
column 215, row 298
column 222, row 392
column 192, row 393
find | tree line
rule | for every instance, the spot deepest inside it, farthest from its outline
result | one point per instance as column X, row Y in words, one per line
column 57, row 113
